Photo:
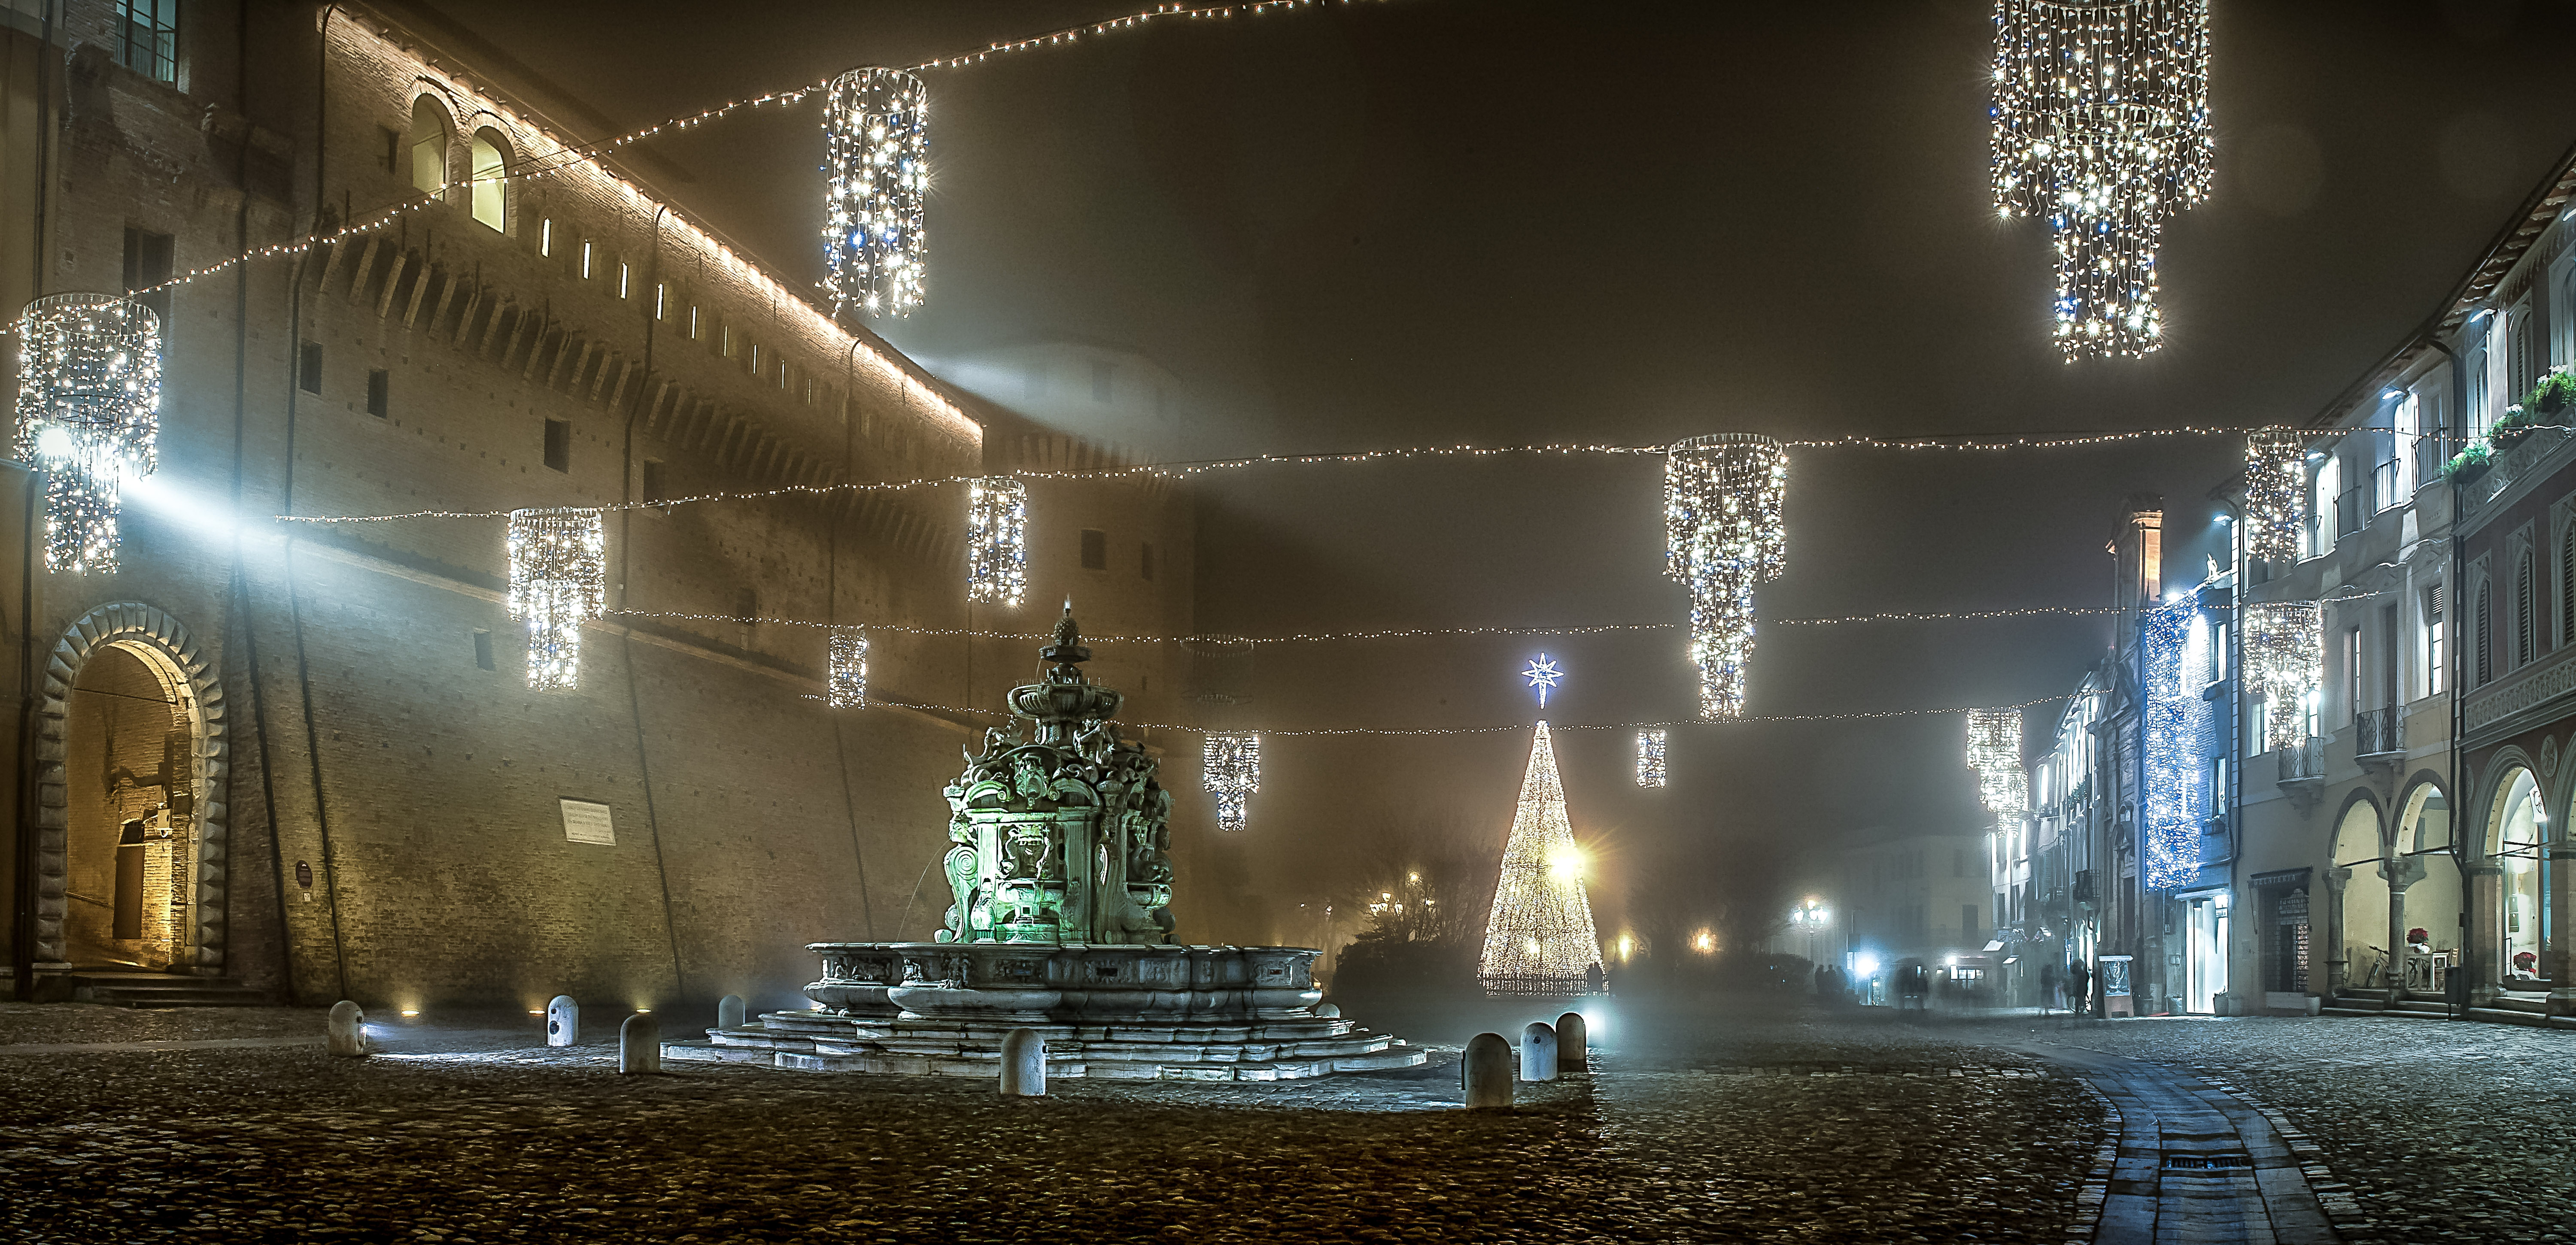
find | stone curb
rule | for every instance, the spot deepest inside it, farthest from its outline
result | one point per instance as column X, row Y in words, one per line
column 2334, row 1197
column 2097, row 1183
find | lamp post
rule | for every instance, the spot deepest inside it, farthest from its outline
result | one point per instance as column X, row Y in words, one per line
column 1810, row 918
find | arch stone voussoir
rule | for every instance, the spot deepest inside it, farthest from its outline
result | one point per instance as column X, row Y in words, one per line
column 148, row 628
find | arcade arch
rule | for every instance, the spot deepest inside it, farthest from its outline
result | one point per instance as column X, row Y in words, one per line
column 2359, row 849
column 2430, row 899
column 2516, row 834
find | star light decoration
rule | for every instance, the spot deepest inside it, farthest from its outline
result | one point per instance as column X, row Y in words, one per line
column 1230, row 763
column 1650, row 758
column 2284, row 662
column 1994, row 751
column 89, row 413
column 1540, row 939
column 558, row 581
column 848, row 688
column 875, row 178
column 1543, row 677
column 997, row 541
column 2275, row 494
column 2101, row 128
column 2176, row 769
column 1722, row 537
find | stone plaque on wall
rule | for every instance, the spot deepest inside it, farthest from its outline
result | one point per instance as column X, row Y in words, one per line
column 585, row 822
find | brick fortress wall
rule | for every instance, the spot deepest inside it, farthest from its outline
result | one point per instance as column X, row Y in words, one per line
column 421, row 789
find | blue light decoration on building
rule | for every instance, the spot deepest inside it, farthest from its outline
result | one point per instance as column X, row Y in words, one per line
column 2177, row 726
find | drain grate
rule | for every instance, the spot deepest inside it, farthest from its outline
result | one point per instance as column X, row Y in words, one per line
column 2206, row 1162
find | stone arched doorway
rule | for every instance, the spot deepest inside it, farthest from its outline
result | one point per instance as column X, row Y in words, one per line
column 133, row 859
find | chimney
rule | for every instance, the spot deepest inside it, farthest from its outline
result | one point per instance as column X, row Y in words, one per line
column 2140, row 550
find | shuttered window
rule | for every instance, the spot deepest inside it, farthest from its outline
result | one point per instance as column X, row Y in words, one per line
column 2522, row 610
column 2567, row 586
column 2485, row 634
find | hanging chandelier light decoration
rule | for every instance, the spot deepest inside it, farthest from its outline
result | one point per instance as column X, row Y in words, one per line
column 89, row 413
column 2101, row 128
column 2275, row 494
column 1650, row 758
column 1723, row 537
column 997, row 541
column 848, row 688
column 2285, row 664
column 558, row 581
column 1231, row 763
column 1994, row 751
column 876, row 176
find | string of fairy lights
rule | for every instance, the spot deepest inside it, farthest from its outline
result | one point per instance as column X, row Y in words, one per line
column 1214, row 639
column 1428, row 732
column 1182, row 471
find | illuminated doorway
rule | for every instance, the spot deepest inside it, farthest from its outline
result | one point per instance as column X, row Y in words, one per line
column 2521, row 826
column 2205, row 960
column 131, row 852
column 158, row 759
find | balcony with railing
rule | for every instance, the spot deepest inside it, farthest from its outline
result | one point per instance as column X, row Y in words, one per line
column 2433, row 449
column 2385, row 486
column 2351, row 511
column 2508, row 466
column 2303, row 764
column 2378, row 733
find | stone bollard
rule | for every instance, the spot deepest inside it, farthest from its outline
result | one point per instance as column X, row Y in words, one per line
column 1328, row 1011
column 639, row 1045
column 346, row 1031
column 563, row 1021
column 1486, row 1070
column 1572, row 1035
column 730, row 1012
column 1023, row 1064
column 1538, row 1052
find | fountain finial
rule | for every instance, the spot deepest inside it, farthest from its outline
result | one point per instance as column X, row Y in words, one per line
column 1067, row 649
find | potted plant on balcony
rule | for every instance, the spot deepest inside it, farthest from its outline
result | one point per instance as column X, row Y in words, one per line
column 2468, row 464
column 2510, row 428
column 2553, row 395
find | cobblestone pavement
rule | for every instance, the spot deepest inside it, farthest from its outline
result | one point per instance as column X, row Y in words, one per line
column 1695, row 1128
column 1849, row 1127
column 2439, row 1131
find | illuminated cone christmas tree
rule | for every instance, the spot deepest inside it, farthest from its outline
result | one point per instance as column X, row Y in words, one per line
column 1540, row 940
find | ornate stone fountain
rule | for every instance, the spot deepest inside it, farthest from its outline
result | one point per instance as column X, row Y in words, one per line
column 1061, row 872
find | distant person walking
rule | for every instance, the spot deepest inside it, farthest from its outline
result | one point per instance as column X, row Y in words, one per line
column 2049, row 998
column 2080, row 985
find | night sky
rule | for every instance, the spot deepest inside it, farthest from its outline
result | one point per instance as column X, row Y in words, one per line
column 1404, row 222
